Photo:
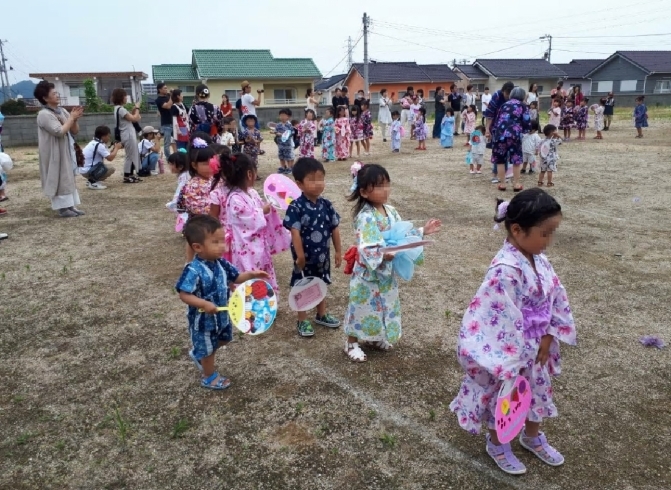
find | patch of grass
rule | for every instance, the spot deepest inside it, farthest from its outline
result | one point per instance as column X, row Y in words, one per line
column 27, row 267
column 180, row 428
column 121, row 424
column 18, row 398
column 388, row 440
column 372, row 414
column 432, row 415
column 24, row 438
column 64, row 271
column 175, row 352
column 60, row 445
column 299, row 407
column 448, row 313
column 334, row 450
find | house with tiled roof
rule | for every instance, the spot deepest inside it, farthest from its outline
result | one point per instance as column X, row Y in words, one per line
column 633, row 73
column 576, row 74
column 283, row 80
column 328, row 86
column 522, row 72
column 396, row 77
column 471, row 75
column 70, row 86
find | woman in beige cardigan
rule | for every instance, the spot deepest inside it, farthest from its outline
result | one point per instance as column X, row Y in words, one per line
column 58, row 163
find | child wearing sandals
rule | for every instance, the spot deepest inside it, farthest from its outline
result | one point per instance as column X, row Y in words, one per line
column 549, row 161
column 373, row 315
column 313, row 223
column 205, row 286
column 513, row 327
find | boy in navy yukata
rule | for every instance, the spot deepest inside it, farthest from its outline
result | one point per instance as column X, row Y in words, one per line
column 204, row 285
column 313, row 223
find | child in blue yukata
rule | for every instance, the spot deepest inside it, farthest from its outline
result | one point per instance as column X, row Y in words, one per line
column 285, row 147
column 313, row 223
column 204, row 285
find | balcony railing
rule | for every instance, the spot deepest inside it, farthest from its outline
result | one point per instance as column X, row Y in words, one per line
column 283, row 101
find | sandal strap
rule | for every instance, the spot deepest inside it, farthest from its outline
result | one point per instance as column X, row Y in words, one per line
column 354, row 352
column 546, row 452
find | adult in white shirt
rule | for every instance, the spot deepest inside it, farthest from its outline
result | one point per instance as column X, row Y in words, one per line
column 94, row 154
column 532, row 95
column 249, row 103
column 485, row 99
column 311, row 102
column 384, row 114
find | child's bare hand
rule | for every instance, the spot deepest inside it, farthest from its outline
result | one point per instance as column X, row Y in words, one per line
column 338, row 260
column 544, row 350
column 260, row 275
column 432, row 226
column 210, row 308
column 300, row 262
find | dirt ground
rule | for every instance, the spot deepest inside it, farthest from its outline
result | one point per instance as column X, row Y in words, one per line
column 97, row 391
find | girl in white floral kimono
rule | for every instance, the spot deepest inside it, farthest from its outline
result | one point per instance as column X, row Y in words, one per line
column 513, row 327
column 374, row 313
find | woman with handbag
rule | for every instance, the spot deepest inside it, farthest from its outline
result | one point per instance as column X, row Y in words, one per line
column 57, row 152
column 125, row 132
column 180, row 120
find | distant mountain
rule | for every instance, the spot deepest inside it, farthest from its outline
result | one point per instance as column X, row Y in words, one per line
column 24, row 88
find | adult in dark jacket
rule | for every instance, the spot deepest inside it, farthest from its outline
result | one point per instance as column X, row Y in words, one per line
column 440, row 111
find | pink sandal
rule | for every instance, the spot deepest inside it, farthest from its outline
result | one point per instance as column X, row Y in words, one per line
column 509, row 463
column 547, row 454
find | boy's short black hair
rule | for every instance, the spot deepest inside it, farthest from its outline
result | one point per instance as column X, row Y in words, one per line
column 286, row 112
column 101, row 132
column 294, row 122
column 549, row 129
column 199, row 227
column 535, row 126
column 395, row 113
column 306, row 166
column 160, row 85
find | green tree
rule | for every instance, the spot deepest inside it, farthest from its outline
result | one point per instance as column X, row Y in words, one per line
column 13, row 107
column 93, row 102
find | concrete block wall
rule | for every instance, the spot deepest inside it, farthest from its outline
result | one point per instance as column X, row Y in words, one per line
column 22, row 130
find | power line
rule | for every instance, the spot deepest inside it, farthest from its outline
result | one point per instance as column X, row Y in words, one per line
column 418, row 44
column 343, row 59
column 592, row 37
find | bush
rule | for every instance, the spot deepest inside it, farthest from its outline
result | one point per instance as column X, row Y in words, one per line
column 96, row 104
column 13, row 108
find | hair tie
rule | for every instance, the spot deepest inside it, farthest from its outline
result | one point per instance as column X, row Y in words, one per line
column 354, row 169
column 501, row 211
column 182, row 150
column 233, row 158
column 199, row 143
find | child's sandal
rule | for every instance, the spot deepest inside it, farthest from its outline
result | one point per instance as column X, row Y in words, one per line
column 354, row 352
column 550, row 184
column 540, row 183
column 221, row 384
column 381, row 345
column 509, row 462
column 540, row 447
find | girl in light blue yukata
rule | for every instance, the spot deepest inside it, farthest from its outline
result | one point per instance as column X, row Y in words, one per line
column 447, row 129
column 373, row 317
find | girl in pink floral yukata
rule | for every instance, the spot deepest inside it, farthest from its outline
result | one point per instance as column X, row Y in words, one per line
column 513, row 327
column 255, row 228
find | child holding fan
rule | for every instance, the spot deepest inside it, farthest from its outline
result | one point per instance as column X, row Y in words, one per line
column 313, row 223
column 255, row 228
column 513, row 327
column 598, row 110
column 204, row 286
column 373, row 316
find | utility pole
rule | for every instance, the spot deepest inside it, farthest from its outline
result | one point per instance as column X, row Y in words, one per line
column 350, row 61
column 3, row 73
column 366, row 24
column 548, row 53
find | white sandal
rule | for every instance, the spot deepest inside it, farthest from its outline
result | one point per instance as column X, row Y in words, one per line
column 381, row 345
column 354, row 352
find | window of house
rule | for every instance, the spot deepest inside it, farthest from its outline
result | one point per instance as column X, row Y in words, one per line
column 187, row 89
column 604, row 87
column 628, row 86
column 401, row 94
column 375, row 97
column 77, row 90
column 663, row 87
column 284, row 94
column 432, row 94
column 232, row 95
column 540, row 89
column 479, row 87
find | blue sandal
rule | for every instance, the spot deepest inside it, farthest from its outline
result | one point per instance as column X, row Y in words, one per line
column 220, row 385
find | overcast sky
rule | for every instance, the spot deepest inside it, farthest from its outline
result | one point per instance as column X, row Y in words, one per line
column 83, row 35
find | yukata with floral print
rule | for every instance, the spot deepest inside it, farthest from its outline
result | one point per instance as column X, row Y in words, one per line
column 374, row 310
column 252, row 143
column 511, row 123
column 307, row 131
column 255, row 236
column 328, row 140
column 501, row 332
column 343, row 135
column 194, row 197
